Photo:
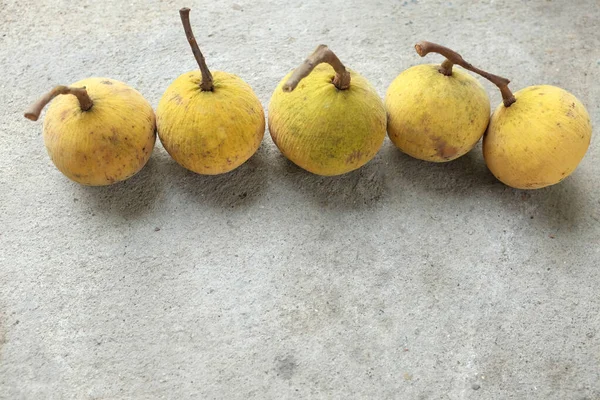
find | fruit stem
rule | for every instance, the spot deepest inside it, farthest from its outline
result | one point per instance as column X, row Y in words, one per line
column 452, row 57
column 34, row 111
column 322, row 54
column 207, row 80
column 446, row 67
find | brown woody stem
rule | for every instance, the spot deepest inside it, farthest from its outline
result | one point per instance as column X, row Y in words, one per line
column 34, row 111
column 207, row 80
column 322, row 54
column 446, row 67
column 452, row 57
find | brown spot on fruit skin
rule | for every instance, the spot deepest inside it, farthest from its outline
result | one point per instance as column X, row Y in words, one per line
column 354, row 157
column 107, row 82
column 114, row 138
column 109, row 178
column 444, row 150
column 177, row 99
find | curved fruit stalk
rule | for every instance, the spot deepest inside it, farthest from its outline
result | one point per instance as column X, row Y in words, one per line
column 452, row 57
column 85, row 103
column 322, row 54
column 326, row 119
column 207, row 80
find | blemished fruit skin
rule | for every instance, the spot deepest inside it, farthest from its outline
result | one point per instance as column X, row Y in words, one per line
column 434, row 117
column 108, row 143
column 210, row 132
column 324, row 130
column 539, row 140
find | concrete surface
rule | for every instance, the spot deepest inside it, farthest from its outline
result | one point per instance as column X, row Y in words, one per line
column 403, row 280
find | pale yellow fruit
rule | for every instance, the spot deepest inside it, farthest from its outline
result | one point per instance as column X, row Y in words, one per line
column 434, row 117
column 108, row 143
column 325, row 130
column 210, row 132
column 539, row 140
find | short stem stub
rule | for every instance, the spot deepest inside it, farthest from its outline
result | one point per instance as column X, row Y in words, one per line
column 452, row 57
column 85, row 102
column 446, row 67
column 207, row 80
column 322, row 54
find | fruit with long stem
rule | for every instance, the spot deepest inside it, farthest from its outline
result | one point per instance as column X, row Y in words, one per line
column 210, row 123
column 325, row 118
column 98, row 131
column 436, row 112
column 536, row 137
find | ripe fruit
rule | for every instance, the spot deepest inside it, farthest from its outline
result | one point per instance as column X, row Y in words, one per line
column 209, row 123
column 326, row 119
column 537, row 137
column 99, row 132
column 436, row 113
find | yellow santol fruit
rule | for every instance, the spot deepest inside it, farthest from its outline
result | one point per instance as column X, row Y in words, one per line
column 536, row 138
column 209, row 123
column 326, row 119
column 99, row 132
column 436, row 113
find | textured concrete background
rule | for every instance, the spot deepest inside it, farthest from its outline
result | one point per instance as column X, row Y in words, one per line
column 402, row 280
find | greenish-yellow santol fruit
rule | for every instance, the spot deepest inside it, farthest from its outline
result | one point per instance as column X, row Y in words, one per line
column 326, row 119
column 98, row 131
column 536, row 137
column 436, row 112
column 210, row 123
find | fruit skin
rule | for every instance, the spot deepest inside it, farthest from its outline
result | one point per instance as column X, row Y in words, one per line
column 325, row 130
column 434, row 117
column 539, row 140
column 210, row 132
column 110, row 142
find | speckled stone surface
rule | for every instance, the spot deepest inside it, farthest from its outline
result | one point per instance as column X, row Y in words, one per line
column 403, row 280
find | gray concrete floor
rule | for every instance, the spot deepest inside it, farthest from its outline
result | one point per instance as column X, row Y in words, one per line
column 403, row 280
